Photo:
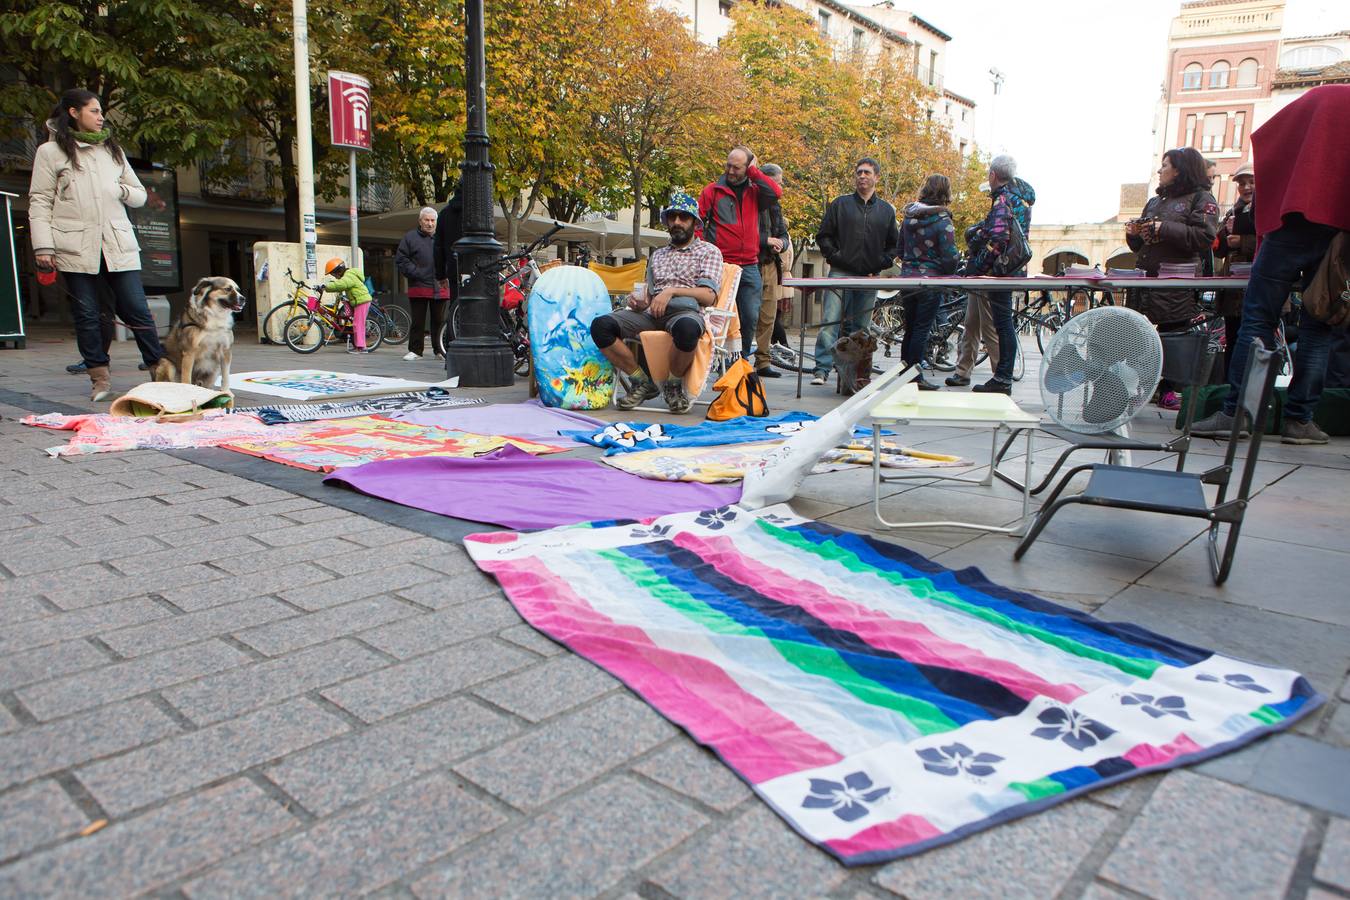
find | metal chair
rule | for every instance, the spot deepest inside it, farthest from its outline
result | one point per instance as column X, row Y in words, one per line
column 1186, row 361
column 1182, row 493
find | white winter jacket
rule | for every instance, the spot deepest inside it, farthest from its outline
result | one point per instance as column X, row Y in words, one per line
column 80, row 215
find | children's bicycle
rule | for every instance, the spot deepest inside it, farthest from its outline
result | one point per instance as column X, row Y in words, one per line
column 320, row 324
column 274, row 325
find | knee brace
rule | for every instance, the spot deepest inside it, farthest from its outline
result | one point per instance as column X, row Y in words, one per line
column 604, row 331
column 685, row 333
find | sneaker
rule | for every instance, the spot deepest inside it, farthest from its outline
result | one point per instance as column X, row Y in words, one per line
column 768, row 372
column 410, row 356
column 957, row 381
column 1219, row 425
column 673, row 393
column 992, row 386
column 818, row 378
column 351, row 349
column 1296, row 432
column 640, row 390
column 77, row 369
column 1170, row 400
column 925, row 385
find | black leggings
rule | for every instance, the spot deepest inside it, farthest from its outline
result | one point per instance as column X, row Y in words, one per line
column 685, row 332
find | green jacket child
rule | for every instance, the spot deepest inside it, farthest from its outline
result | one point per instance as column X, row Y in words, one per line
column 353, row 281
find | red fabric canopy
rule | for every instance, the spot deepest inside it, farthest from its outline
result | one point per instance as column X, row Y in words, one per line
column 1303, row 161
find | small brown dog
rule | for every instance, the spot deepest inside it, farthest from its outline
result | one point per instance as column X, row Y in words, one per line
column 197, row 350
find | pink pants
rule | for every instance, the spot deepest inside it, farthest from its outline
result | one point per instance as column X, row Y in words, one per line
column 359, row 325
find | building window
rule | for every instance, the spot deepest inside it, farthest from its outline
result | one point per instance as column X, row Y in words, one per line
column 963, row 115
column 724, row 8
column 1309, row 57
column 1218, row 75
column 932, row 67
column 1216, row 124
column 1239, row 124
column 857, row 39
column 1190, row 132
column 824, row 23
column 963, row 148
column 1246, row 76
column 1190, row 77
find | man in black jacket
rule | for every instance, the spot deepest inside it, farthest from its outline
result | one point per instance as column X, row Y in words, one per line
column 449, row 229
column 858, row 237
column 415, row 259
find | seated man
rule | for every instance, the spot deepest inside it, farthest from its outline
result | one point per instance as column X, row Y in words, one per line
column 682, row 277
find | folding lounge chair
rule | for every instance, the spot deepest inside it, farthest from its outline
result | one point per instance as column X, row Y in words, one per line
column 1183, row 493
column 718, row 346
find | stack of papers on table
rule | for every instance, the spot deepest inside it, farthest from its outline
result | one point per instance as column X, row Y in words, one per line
column 1240, row 270
column 1125, row 273
column 1082, row 272
column 1178, row 270
column 911, row 403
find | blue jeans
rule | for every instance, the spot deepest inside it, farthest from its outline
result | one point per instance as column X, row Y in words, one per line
column 851, row 307
column 1001, row 308
column 920, row 312
column 1285, row 261
column 749, row 297
column 128, row 300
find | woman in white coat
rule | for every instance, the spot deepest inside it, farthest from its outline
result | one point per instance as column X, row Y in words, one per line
column 77, row 209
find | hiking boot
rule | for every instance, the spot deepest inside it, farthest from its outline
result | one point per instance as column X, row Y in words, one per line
column 925, row 385
column 1219, row 425
column 993, row 386
column 102, row 387
column 957, row 381
column 1170, row 400
column 1296, row 432
column 640, row 390
column 673, row 393
column 77, row 369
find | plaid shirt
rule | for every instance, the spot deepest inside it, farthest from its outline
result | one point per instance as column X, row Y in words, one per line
column 696, row 264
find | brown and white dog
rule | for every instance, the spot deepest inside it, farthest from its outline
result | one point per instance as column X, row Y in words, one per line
column 197, row 350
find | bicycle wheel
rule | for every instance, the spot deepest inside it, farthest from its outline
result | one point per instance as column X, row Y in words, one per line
column 274, row 323
column 1045, row 330
column 784, row 357
column 943, row 347
column 374, row 333
column 397, row 324
column 305, row 334
column 889, row 316
column 443, row 337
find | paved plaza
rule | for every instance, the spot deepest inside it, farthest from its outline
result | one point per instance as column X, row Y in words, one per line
column 269, row 687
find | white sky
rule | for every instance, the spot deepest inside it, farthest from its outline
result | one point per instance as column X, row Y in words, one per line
column 1082, row 78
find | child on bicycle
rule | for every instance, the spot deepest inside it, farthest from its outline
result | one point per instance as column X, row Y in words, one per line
column 353, row 281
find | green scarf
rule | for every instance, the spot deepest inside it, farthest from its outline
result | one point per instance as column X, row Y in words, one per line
column 92, row 137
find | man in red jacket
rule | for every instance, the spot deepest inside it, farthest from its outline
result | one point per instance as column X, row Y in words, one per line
column 1302, row 155
column 730, row 209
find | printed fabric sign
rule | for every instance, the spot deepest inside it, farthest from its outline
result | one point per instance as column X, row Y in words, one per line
column 313, row 384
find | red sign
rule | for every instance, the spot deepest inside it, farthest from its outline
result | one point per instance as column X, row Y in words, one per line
column 349, row 110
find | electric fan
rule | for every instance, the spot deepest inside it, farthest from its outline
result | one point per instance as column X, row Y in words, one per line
column 1101, row 367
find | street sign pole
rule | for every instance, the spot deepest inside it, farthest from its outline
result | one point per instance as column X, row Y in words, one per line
column 349, row 125
column 351, row 209
column 304, row 139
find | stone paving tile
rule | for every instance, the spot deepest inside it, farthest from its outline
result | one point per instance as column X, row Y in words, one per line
column 204, row 531
column 423, row 550
column 531, row 770
column 530, row 638
column 406, row 685
column 15, row 609
column 1333, row 866
column 355, row 767
column 224, row 588
column 756, row 855
column 95, row 587
column 42, row 749
column 191, row 760
column 142, row 563
column 691, row 770
column 191, row 627
column 455, row 625
column 360, row 850
column 1032, row 857
column 570, row 850
column 1338, row 727
column 367, row 584
column 316, row 627
column 548, row 689
column 152, row 850
column 443, row 592
column 223, row 510
column 1099, row 891
column 78, row 623
column 244, row 556
column 320, row 513
column 62, row 555
column 1250, row 842
column 84, row 690
column 7, row 721
column 51, row 661
column 93, row 534
column 35, row 815
column 375, row 534
column 247, row 688
column 1293, row 767
column 281, row 532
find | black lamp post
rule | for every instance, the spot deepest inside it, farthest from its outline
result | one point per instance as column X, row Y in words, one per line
column 479, row 354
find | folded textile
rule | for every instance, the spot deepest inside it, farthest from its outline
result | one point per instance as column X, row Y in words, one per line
column 325, row 446
column 102, row 433
column 411, row 401
column 622, row 437
column 512, row 488
column 879, row 702
column 711, row 465
column 531, row 419
column 169, row 400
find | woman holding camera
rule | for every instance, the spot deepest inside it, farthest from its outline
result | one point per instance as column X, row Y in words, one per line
column 77, row 206
column 1178, row 225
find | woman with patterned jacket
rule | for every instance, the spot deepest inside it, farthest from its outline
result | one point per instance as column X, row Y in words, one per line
column 927, row 248
column 1177, row 226
column 1236, row 243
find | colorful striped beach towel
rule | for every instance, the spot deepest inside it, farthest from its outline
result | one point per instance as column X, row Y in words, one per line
column 880, row 703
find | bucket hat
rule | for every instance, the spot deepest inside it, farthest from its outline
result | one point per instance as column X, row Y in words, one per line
column 682, row 202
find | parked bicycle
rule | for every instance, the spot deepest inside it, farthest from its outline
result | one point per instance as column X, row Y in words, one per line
column 321, row 324
column 274, row 324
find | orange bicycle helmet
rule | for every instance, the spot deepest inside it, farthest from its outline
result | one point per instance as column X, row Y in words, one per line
column 334, row 263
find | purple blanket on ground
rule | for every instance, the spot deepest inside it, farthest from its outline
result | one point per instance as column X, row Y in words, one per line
column 531, row 419
column 512, row 488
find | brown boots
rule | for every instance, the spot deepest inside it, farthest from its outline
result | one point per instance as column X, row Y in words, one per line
column 102, row 387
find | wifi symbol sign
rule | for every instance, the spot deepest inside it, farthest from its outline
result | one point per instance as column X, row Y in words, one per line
column 349, row 102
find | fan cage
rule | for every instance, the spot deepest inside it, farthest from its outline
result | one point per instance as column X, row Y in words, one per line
column 1100, row 369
